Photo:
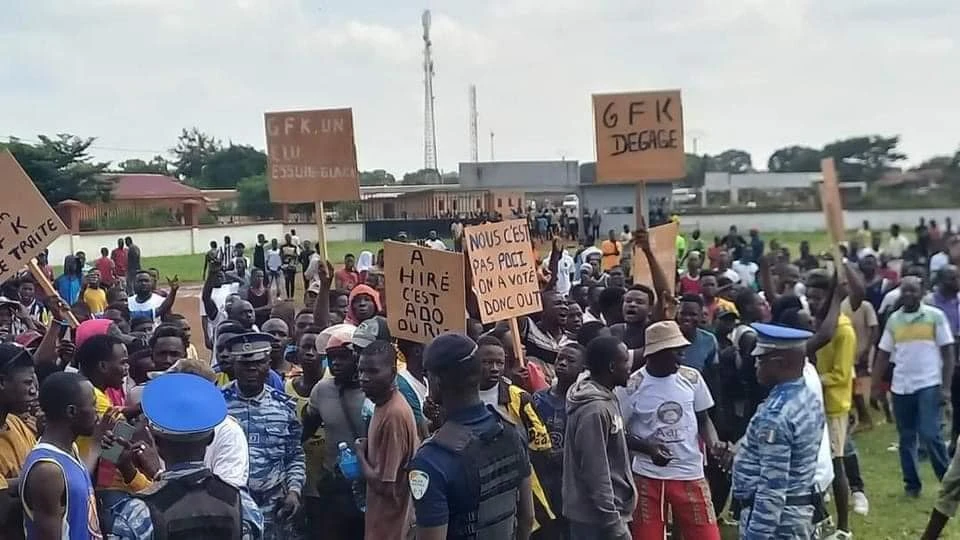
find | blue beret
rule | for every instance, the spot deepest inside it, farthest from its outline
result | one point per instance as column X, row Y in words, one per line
column 448, row 350
column 183, row 405
column 772, row 337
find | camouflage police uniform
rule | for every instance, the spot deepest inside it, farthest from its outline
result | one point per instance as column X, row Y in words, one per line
column 773, row 472
column 274, row 437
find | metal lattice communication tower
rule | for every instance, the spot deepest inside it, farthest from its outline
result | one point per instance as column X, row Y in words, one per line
column 429, row 123
column 474, row 149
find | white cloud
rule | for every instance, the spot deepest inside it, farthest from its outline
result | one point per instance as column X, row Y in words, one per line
column 756, row 74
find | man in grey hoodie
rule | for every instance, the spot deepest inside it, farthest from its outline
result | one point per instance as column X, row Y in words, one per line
column 598, row 490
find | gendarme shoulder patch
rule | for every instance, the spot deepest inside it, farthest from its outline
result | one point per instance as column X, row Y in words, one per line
column 419, row 482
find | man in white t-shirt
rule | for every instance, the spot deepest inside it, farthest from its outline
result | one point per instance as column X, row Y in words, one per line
column 723, row 268
column 434, row 241
column 146, row 304
column 565, row 268
column 896, row 244
column 918, row 339
column 745, row 268
column 664, row 409
column 219, row 297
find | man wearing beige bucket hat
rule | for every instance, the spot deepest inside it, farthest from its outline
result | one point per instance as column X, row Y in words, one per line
column 665, row 411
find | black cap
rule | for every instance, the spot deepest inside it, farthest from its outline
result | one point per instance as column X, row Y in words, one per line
column 13, row 355
column 369, row 331
column 448, row 350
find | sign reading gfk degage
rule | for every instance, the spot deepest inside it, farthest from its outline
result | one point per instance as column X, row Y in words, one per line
column 503, row 269
column 311, row 156
column 639, row 137
column 27, row 223
column 425, row 291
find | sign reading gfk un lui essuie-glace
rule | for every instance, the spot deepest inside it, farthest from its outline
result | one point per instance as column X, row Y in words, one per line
column 311, row 156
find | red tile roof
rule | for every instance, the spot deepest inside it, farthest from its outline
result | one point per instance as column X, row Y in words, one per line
column 152, row 186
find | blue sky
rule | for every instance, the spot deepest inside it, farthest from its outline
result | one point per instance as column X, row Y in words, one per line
column 755, row 74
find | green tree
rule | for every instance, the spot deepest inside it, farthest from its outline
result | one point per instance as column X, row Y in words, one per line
column 253, row 197
column 421, row 177
column 226, row 167
column 696, row 170
column 192, row 152
column 62, row 169
column 864, row 158
column 376, row 177
column 157, row 165
column 346, row 210
column 731, row 161
column 936, row 162
column 794, row 159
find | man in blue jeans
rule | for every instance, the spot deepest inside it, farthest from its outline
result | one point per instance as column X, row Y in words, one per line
column 918, row 339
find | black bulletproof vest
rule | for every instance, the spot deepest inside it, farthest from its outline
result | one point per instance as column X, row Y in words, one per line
column 491, row 464
column 198, row 505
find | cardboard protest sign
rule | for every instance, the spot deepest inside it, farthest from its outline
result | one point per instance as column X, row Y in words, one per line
column 503, row 269
column 639, row 137
column 311, row 156
column 831, row 202
column 663, row 243
column 425, row 291
column 27, row 223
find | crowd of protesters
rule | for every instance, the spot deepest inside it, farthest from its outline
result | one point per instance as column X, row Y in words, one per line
column 727, row 390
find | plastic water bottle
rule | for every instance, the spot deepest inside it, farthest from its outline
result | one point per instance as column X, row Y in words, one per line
column 350, row 467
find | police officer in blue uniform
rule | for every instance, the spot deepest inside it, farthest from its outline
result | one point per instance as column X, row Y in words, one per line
column 187, row 500
column 773, row 471
column 269, row 418
column 471, row 479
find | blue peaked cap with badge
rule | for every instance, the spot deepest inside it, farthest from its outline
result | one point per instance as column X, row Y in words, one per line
column 774, row 337
column 183, row 406
column 249, row 347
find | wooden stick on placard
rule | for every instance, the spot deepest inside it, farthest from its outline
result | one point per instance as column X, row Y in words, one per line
column 321, row 230
column 517, row 342
column 641, row 204
column 832, row 205
column 50, row 290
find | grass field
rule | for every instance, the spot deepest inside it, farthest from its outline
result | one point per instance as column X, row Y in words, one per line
column 190, row 267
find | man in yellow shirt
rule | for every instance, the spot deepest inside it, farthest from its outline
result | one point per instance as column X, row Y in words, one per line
column 610, row 250
column 102, row 360
column 17, row 383
column 93, row 294
column 835, row 364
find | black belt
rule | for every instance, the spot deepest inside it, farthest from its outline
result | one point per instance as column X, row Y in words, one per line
column 795, row 500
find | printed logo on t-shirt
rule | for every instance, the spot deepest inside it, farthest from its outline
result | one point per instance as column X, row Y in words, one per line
column 419, row 481
column 670, row 412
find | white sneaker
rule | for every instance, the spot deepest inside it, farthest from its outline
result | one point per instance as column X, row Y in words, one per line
column 860, row 503
column 840, row 535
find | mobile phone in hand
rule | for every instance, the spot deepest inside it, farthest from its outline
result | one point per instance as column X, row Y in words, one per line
column 122, row 430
